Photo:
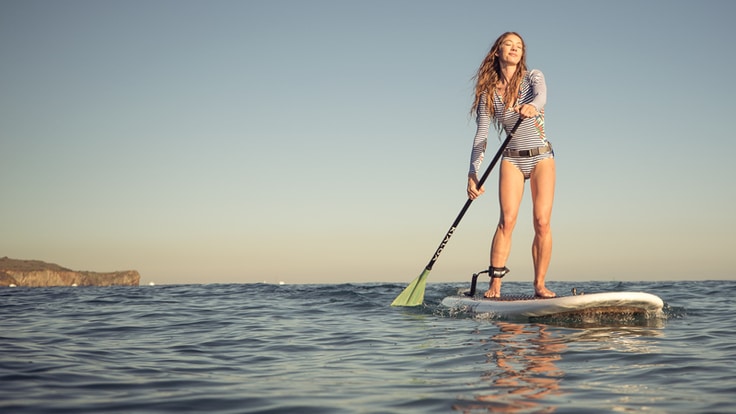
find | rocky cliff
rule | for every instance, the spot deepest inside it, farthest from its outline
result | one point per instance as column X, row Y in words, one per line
column 36, row 273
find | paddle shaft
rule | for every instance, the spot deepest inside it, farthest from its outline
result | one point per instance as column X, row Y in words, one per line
column 470, row 201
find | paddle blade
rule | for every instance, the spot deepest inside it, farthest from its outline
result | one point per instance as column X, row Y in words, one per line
column 413, row 295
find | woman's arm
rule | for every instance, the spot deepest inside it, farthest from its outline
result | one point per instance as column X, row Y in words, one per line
column 539, row 89
column 539, row 93
column 483, row 120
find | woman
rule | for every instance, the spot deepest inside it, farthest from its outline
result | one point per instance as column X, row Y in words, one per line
column 505, row 90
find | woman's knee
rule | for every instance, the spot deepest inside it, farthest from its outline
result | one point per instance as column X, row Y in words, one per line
column 507, row 223
column 542, row 225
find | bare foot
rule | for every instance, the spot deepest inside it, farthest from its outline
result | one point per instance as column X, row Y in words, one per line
column 494, row 288
column 544, row 293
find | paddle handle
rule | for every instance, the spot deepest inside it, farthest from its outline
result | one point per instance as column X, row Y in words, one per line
column 470, row 201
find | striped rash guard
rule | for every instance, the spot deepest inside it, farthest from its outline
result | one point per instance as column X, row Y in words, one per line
column 530, row 134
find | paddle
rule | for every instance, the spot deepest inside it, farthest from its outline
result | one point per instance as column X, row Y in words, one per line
column 413, row 295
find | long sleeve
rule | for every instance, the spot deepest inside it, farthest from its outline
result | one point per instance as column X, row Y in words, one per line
column 483, row 121
column 539, row 89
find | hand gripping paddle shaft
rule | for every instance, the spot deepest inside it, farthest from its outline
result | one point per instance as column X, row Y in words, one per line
column 413, row 295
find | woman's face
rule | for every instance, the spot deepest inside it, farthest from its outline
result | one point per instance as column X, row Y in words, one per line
column 511, row 50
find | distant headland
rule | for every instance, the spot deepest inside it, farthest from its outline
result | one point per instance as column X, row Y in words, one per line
column 35, row 273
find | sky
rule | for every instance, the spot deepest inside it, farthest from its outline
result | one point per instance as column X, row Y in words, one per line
column 328, row 141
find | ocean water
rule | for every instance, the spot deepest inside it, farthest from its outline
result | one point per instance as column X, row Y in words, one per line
column 262, row 348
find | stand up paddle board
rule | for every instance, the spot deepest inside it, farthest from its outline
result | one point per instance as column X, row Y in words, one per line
column 607, row 303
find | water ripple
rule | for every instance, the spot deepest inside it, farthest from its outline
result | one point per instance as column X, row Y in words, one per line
column 263, row 348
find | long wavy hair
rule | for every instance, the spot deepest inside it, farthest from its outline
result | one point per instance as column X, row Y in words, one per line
column 489, row 74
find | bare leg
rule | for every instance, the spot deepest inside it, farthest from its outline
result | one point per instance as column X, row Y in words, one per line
column 510, row 191
column 542, row 183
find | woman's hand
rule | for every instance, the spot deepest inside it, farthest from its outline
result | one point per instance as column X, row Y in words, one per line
column 526, row 111
column 473, row 190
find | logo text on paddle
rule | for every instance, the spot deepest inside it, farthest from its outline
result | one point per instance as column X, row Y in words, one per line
column 442, row 245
